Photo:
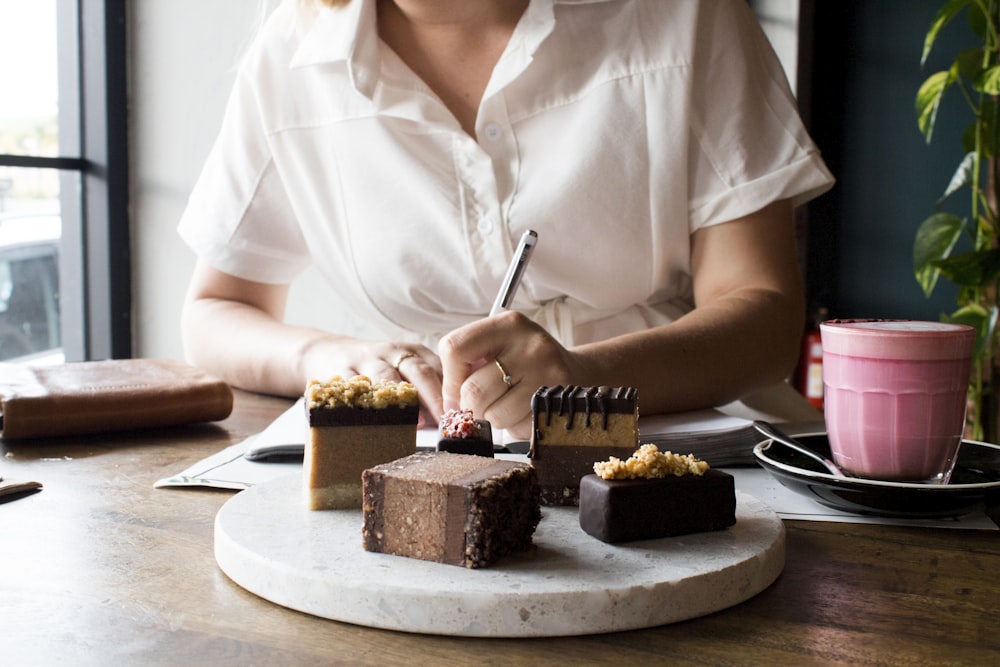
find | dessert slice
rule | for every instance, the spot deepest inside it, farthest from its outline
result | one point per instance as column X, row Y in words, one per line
column 353, row 425
column 655, row 494
column 461, row 433
column 574, row 426
column 450, row 508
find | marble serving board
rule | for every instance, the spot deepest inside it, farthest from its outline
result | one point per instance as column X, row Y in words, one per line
column 572, row 584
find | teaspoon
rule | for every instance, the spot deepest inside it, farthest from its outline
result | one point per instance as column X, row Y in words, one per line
column 771, row 431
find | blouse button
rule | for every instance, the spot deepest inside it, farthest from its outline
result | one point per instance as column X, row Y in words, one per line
column 493, row 131
column 484, row 226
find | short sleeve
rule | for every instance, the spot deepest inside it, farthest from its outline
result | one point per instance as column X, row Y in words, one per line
column 239, row 218
column 749, row 145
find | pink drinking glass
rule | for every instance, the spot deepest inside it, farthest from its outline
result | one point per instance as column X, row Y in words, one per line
column 895, row 396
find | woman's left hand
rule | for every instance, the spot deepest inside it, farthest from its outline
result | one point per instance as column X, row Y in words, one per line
column 494, row 366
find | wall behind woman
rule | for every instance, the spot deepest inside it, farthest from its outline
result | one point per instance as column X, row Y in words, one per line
column 183, row 56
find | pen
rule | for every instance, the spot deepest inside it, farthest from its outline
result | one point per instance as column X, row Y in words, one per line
column 514, row 272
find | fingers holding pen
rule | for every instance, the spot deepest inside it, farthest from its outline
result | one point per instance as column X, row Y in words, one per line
column 494, row 366
column 468, row 351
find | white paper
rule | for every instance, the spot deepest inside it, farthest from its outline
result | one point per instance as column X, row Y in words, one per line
column 683, row 423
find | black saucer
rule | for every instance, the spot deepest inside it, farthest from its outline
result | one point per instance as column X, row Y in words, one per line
column 975, row 481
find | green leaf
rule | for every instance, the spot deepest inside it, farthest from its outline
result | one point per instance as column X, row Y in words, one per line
column 982, row 320
column 989, row 83
column 977, row 268
column 935, row 239
column 984, row 236
column 961, row 177
column 972, row 314
column 945, row 13
column 977, row 20
column 969, row 137
column 929, row 99
column 970, row 63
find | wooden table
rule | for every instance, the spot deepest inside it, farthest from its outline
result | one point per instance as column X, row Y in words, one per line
column 101, row 568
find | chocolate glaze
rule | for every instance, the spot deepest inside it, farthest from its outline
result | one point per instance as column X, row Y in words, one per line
column 564, row 465
column 623, row 510
column 572, row 398
column 390, row 416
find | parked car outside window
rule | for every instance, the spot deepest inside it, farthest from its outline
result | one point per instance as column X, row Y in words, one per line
column 29, row 288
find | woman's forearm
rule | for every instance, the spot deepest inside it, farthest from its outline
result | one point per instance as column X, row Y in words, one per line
column 247, row 347
column 746, row 328
column 713, row 355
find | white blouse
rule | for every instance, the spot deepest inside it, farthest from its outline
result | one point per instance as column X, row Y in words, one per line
column 614, row 128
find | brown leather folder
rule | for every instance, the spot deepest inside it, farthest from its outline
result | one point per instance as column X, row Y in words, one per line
column 101, row 396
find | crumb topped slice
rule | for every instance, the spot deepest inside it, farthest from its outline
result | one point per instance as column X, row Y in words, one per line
column 360, row 392
column 648, row 462
column 354, row 424
column 655, row 494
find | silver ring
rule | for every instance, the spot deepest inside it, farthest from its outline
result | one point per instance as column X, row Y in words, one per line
column 507, row 380
column 401, row 358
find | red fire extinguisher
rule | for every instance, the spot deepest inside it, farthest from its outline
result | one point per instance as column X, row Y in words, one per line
column 810, row 377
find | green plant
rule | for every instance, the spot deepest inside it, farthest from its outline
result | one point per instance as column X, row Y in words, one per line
column 975, row 74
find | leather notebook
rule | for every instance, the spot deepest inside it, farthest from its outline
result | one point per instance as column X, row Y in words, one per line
column 101, row 396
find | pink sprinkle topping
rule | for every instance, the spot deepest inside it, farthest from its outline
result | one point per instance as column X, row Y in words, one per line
column 459, row 424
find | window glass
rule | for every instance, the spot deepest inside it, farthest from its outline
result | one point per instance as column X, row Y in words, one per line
column 29, row 287
column 29, row 81
column 30, row 217
column 64, row 251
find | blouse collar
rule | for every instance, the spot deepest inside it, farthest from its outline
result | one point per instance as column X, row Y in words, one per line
column 348, row 34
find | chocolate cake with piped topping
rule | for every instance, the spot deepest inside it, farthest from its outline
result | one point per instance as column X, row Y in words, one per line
column 462, row 433
column 655, row 494
column 354, row 424
column 574, row 426
column 448, row 508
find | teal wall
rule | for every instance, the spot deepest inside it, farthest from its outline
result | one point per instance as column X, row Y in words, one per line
column 865, row 75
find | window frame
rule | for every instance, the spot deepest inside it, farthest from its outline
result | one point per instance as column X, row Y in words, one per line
column 95, row 259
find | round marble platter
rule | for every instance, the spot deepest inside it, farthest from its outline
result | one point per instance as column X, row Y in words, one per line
column 572, row 584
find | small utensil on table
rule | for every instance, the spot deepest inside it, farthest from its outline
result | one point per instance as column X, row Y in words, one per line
column 773, row 432
column 12, row 490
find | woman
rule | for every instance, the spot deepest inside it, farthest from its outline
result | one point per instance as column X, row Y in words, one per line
column 404, row 146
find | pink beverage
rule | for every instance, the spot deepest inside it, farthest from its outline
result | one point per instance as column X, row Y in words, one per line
column 895, row 396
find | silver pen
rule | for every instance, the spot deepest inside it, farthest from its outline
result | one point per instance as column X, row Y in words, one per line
column 514, row 272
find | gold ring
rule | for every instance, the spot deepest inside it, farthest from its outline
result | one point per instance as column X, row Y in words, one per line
column 403, row 357
column 507, row 380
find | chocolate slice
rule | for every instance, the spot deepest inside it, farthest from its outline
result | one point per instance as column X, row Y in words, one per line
column 572, row 427
column 623, row 510
column 450, row 508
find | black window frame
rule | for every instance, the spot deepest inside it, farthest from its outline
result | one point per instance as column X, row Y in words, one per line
column 95, row 259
